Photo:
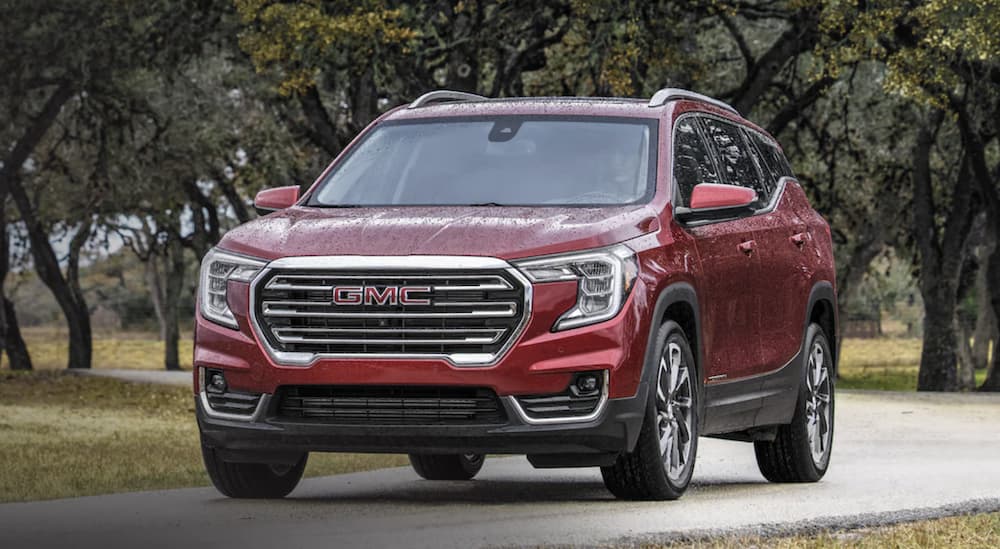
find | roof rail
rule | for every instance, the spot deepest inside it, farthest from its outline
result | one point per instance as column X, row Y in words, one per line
column 670, row 94
column 443, row 95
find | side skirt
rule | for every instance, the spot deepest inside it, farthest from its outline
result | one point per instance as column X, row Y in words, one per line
column 739, row 409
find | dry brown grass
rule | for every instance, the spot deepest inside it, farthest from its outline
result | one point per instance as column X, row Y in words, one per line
column 973, row 532
column 49, row 350
column 887, row 364
column 63, row 435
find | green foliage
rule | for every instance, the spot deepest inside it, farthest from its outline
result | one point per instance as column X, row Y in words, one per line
column 298, row 40
column 930, row 48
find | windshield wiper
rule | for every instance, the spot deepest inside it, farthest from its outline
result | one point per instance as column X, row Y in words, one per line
column 487, row 204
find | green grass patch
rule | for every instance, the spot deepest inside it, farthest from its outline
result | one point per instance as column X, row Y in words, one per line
column 971, row 531
column 65, row 435
column 884, row 364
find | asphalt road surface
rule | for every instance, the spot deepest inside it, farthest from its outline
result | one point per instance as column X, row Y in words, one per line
column 896, row 457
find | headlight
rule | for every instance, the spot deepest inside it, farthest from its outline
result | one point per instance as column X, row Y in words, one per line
column 217, row 269
column 604, row 278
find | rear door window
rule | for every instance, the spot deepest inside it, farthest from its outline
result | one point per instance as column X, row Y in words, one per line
column 732, row 152
column 693, row 163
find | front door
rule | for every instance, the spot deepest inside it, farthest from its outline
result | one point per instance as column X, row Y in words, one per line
column 730, row 262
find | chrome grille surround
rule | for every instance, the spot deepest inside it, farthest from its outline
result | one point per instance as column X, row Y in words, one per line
column 281, row 274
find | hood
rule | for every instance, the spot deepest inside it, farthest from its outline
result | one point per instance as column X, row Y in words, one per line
column 504, row 232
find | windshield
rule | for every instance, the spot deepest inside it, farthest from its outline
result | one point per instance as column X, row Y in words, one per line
column 506, row 161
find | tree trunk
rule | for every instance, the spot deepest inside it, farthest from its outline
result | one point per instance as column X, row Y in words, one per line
column 937, row 355
column 966, row 368
column 78, row 319
column 155, row 288
column 14, row 345
column 942, row 247
column 10, row 333
column 173, row 286
column 46, row 263
column 988, row 190
column 992, row 382
column 985, row 333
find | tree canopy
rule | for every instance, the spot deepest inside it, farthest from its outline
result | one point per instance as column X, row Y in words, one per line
column 151, row 124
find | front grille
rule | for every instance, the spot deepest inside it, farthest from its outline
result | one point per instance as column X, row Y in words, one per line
column 467, row 312
column 391, row 405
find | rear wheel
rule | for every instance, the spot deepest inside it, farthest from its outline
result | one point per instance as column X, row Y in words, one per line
column 252, row 480
column 660, row 466
column 801, row 450
column 447, row 466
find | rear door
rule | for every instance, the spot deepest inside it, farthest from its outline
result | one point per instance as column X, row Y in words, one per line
column 729, row 305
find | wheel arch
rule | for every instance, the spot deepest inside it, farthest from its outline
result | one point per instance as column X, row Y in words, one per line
column 677, row 302
column 822, row 310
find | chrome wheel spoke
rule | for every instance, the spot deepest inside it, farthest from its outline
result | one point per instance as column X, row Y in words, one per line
column 661, row 396
column 666, row 441
column 683, row 430
column 675, row 453
column 680, row 382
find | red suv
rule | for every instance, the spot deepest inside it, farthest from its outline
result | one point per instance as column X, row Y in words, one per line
column 591, row 282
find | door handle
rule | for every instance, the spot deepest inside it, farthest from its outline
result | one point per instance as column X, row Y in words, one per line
column 799, row 239
column 748, row 246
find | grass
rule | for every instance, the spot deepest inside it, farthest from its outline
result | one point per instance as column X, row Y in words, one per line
column 972, row 531
column 49, row 350
column 64, row 435
column 886, row 364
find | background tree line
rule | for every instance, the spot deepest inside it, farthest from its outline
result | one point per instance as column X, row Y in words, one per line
column 143, row 128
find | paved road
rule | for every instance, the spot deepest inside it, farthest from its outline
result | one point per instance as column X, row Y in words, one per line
column 159, row 377
column 896, row 457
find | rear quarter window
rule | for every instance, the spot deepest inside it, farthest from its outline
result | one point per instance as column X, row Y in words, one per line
column 771, row 160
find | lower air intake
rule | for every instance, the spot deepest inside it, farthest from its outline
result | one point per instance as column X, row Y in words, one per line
column 391, row 405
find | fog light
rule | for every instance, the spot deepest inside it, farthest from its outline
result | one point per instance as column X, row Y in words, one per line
column 587, row 383
column 216, row 382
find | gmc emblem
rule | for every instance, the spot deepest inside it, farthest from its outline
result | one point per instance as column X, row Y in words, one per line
column 387, row 295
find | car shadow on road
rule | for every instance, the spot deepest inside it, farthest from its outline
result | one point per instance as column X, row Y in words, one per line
column 487, row 491
column 484, row 491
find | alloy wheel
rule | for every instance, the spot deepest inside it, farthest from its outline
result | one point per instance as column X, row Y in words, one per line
column 674, row 412
column 818, row 409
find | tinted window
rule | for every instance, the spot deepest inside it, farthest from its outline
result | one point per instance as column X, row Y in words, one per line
column 692, row 162
column 771, row 159
column 498, row 160
column 734, row 158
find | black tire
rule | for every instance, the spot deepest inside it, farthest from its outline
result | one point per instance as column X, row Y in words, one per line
column 252, row 480
column 447, row 466
column 642, row 473
column 790, row 458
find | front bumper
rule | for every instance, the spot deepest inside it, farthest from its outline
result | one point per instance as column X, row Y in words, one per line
column 614, row 431
column 540, row 362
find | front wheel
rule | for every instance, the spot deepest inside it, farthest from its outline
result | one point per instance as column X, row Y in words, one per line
column 801, row 450
column 447, row 466
column 660, row 466
column 252, row 480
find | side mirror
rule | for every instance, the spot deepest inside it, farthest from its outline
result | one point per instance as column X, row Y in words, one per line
column 714, row 201
column 278, row 198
